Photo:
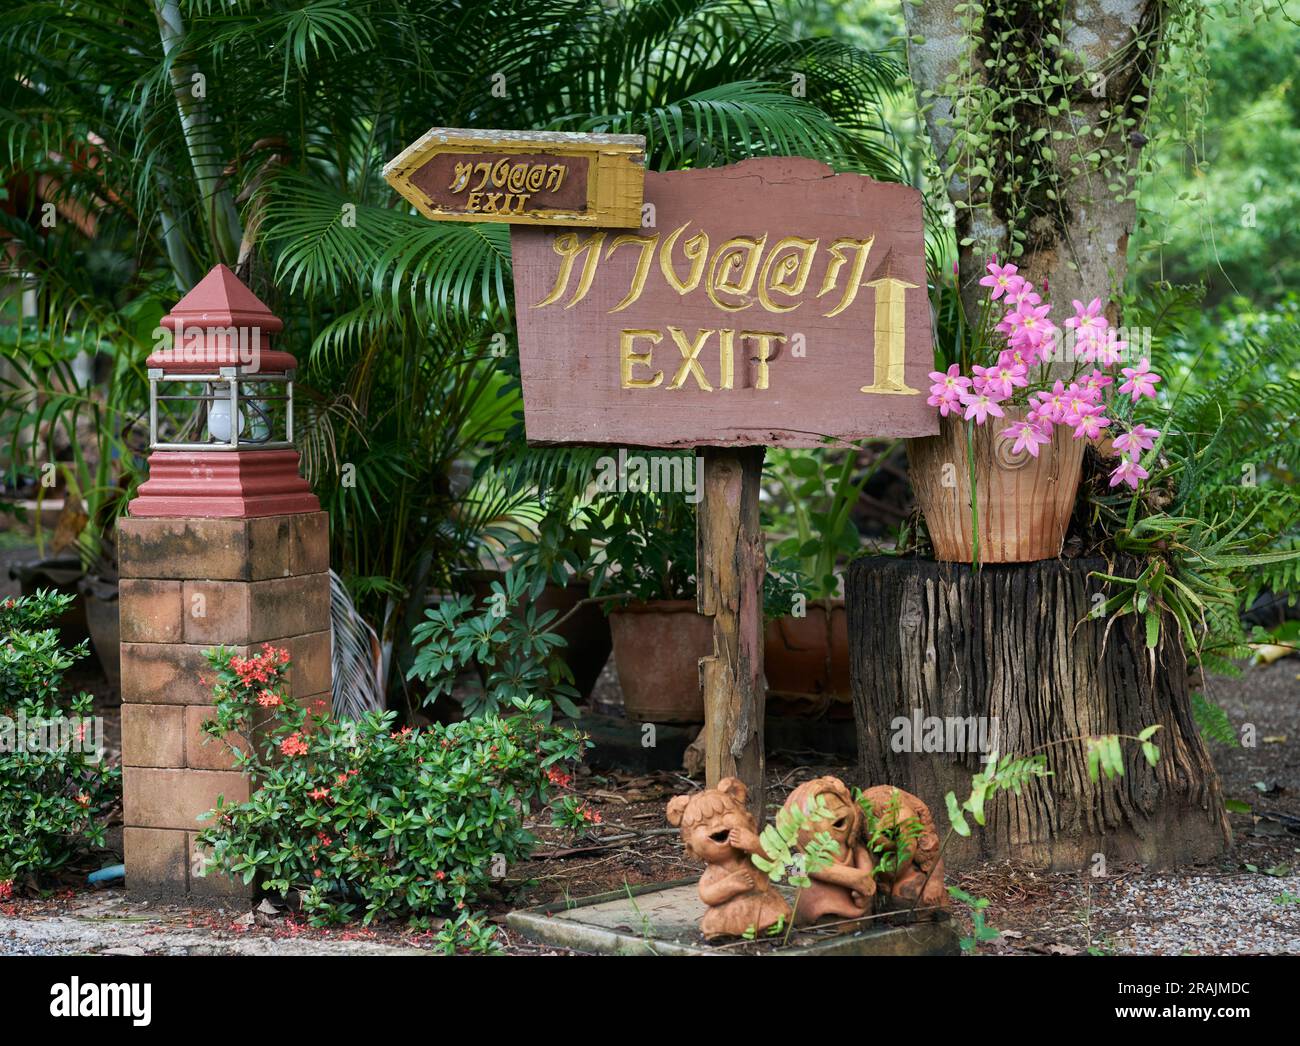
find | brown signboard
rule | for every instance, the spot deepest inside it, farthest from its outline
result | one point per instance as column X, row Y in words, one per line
column 523, row 177
column 769, row 303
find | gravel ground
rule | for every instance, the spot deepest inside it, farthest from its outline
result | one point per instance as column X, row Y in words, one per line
column 1191, row 915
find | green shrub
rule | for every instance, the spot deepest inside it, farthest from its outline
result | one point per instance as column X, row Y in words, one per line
column 54, row 792
column 366, row 821
column 513, row 652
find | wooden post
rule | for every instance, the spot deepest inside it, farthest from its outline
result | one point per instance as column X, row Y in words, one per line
column 730, row 565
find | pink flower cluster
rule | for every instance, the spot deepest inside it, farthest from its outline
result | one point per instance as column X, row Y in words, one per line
column 1030, row 337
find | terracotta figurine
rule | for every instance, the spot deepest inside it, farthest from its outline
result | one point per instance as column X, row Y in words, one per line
column 846, row 887
column 719, row 830
column 921, row 875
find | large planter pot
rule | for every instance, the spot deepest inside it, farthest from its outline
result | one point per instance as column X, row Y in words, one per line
column 586, row 634
column 1024, row 502
column 657, row 651
column 806, row 660
column 100, row 597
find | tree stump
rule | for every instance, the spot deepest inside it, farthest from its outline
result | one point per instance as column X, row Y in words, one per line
column 1014, row 644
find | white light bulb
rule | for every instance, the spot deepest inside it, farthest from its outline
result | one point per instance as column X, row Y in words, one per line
column 219, row 421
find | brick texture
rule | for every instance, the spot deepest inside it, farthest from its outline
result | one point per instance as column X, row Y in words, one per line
column 153, row 735
column 175, row 798
column 150, row 611
column 203, row 752
column 311, row 543
column 239, row 613
column 189, row 585
column 157, row 860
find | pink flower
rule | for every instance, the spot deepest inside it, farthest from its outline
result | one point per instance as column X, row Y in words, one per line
column 1141, row 380
column 1090, row 326
column 1078, row 401
column 1002, row 279
column 946, row 390
column 1130, row 472
column 1097, row 380
column 1136, row 440
column 1028, row 436
column 1110, row 350
column 1009, row 376
column 1024, row 295
column 1028, row 326
column 980, row 407
column 1018, row 355
column 1090, row 425
column 1050, row 406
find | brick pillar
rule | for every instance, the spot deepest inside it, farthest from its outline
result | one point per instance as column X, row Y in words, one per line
column 189, row 584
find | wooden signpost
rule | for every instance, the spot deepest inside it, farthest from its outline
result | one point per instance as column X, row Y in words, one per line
column 770, row 303
column 523, row 177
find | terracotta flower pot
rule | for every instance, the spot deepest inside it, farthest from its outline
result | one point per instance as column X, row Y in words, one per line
column 806, row 659
column 657, row 651
column 1024, row 502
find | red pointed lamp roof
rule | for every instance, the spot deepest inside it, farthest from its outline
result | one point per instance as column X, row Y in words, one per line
column 204, row 320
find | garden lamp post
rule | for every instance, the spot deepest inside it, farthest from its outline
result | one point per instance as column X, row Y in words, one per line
column 224, row 545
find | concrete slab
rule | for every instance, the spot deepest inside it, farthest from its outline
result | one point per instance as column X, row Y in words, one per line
column 663, row 919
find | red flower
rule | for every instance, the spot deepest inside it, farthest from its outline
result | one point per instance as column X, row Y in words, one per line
column 293, row 745
column 268, row 700
column 319, row 793
column 6, row 889
column 559, row 778
column 82, row 800
column 440, row 875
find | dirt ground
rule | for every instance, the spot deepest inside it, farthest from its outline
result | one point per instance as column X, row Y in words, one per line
column 1247, row 902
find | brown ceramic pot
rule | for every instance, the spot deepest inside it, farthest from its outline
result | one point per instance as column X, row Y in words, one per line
column 657, row 651
column 1024, row 502
column 100, row 597
column 806, row 659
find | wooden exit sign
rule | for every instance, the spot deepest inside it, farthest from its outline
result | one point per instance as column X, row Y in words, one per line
column 523, row 177
column 770, row 303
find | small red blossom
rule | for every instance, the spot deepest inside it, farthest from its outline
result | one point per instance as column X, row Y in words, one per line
column 82, row 800
column 6, row 889
column 318, row 793
column 293, row 745
column 267, row 699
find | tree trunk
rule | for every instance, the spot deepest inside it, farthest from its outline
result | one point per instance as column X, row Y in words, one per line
column 1076, row 237
column 1013, row 644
